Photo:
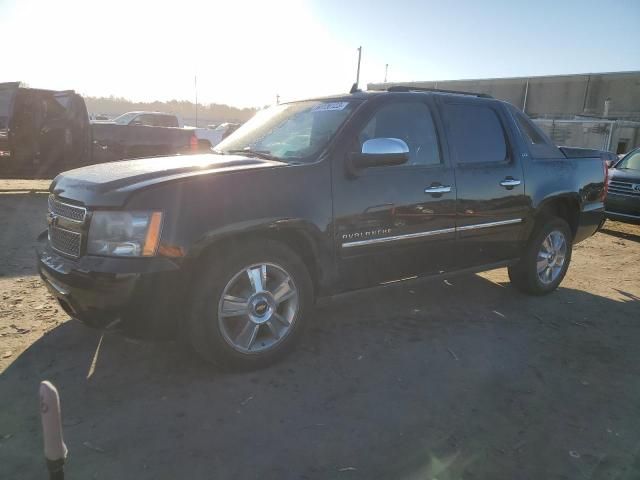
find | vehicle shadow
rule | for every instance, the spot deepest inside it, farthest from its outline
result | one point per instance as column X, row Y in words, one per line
column 412, row 381
column 619, row 234
column 22, row 219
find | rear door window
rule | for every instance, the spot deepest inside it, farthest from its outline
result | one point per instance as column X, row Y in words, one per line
column 475, row 133
column 166, row 121
column 146, row 120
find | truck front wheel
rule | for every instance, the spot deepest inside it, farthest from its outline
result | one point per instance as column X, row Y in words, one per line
column 249, row 307
column 546, row 258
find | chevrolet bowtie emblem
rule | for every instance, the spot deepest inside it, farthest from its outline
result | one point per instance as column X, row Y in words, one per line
column 52, row 219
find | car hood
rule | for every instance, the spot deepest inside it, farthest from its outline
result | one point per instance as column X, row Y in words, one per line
column 111, row 184
column 621, row 175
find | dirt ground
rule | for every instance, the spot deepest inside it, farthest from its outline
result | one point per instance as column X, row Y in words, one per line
column 465, row 379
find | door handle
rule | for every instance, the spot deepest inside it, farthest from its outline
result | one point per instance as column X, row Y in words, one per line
column 438, row 189
column 510, row 182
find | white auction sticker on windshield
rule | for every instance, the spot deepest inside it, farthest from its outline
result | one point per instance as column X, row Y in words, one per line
column 327, row 107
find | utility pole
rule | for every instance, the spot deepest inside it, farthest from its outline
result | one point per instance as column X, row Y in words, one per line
column 195, row 84
column 358, row 73
column 386, row 70
column 277, row 99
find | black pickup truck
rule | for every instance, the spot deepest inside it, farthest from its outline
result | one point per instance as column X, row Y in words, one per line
column 309, row 199
column 43, row 132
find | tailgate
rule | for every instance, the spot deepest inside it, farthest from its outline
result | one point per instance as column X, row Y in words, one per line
column 575, row 152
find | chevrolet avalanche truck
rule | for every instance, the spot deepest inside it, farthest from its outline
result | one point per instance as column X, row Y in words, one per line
column 230, row 250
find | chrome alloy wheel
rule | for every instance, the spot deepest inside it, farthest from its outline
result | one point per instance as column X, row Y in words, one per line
column 551, row 257
column 258, row 308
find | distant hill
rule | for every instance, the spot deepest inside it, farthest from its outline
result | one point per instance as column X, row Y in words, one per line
column 211, row 113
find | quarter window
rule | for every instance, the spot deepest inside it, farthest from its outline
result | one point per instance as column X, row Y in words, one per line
column 476, row 133
column 411, row 122
column 529, row 130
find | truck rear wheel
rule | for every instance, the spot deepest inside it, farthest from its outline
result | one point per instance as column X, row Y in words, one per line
column 546, row 258
column 250, row 305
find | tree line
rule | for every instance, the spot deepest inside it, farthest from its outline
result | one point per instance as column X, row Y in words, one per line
column 209, row 113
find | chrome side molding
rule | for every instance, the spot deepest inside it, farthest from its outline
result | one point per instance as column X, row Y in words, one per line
column 395, row 238
column 488, row 224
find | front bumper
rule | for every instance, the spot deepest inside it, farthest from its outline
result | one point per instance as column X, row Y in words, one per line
column 623, row 208
column 143, row 295
column 623, row 217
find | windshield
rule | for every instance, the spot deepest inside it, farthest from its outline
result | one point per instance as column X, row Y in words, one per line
column 125, row 118
column 630, row 162
column 290, row 131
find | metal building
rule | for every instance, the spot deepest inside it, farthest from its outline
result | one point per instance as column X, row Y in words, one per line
column 594, row 110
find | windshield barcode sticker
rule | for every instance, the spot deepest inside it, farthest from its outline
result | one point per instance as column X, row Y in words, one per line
column 327, row 107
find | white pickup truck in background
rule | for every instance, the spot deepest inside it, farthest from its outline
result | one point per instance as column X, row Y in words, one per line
column 215, row 134
column 207, row 137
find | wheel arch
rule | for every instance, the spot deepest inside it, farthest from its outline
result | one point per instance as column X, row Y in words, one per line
column 301, row 237
column 565, row 206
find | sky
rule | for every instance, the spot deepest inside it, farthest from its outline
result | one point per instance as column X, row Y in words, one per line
column 245, row 52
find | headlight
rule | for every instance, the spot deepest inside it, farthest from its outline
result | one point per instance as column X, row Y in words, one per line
column 124, row 234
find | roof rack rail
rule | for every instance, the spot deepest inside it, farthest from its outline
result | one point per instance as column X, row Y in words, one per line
column 404, row 88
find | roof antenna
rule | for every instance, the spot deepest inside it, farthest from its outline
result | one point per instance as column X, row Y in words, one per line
column 354, row 87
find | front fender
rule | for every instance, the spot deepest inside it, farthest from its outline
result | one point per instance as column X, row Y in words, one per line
column 306, row 239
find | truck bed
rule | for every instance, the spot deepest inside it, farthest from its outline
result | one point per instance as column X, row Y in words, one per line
column 117, row 142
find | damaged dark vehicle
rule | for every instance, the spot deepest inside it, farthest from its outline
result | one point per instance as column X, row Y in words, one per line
column 44, row 132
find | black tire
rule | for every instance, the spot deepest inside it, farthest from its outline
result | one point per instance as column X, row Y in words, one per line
column 524, row 274
column 203, row 328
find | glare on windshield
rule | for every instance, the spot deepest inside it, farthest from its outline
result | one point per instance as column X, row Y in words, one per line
column 294, row 130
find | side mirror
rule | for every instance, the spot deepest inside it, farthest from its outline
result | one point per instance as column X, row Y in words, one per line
column 135, row 123
column 381, row 152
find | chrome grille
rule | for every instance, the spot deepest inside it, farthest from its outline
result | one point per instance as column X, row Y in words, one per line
column 65, row 241
column 66, row 224
column 72, row 212
column 623, row 188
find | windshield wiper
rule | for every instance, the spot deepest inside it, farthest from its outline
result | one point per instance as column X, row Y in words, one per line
column 254, row 153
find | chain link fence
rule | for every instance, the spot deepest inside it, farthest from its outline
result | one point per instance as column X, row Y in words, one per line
column 611, row 135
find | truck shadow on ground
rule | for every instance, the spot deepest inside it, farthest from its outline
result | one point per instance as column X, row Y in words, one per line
column 470, row 378
column 22, row 219
column 619, row 234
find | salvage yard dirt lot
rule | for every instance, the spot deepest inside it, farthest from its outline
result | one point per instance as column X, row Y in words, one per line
column 464, row 379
